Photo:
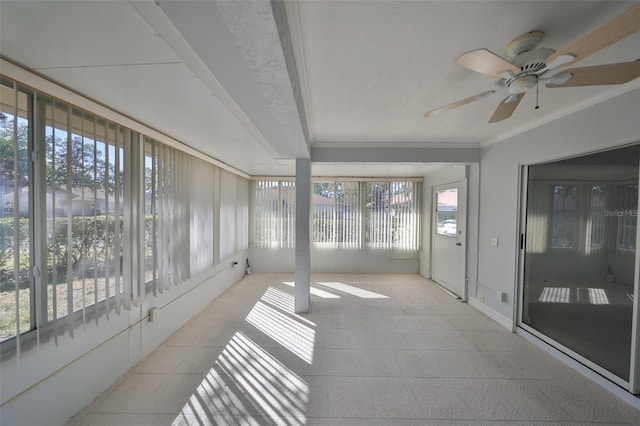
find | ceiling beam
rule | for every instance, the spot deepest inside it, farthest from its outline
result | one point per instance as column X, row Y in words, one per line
column 262, row 36
column 395, row 155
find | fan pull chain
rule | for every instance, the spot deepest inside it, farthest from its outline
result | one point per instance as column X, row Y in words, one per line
column 537, row 84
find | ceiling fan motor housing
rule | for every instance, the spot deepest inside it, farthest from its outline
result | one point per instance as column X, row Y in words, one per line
column 532, row 64
column 533, row 60
column 522, row 84
column 524, row 43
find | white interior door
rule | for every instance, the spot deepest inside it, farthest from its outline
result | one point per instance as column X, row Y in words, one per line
column 448, row 236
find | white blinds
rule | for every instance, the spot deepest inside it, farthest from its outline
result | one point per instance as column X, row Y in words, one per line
column 242, row 215
column 234, row 214
column 185, row 208
column 336, row 214
column 345, row 214
column 228, row 191
column 202, row 214
column 573, row 217
column 392, row 215
column 266, row 214
column 83, row 173
column 288, row 214
column 274, row 207
column 538, row 207
column 104, row 217
column 15, row 222
column 403, row 209
column 172, row 211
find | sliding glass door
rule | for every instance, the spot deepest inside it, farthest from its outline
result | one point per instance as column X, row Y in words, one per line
column 580, row 257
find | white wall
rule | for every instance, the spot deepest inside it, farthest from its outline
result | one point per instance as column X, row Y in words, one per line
column 611, row 123
column 337, row 260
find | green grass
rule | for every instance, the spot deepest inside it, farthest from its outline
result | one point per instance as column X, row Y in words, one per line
column 8, row 312
column 8, row 302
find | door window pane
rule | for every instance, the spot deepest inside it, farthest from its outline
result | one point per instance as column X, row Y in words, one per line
column 447, row 212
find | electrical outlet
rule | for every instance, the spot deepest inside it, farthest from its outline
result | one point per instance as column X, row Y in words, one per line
column 500, row 296
column 153, row 314
column 494, row 242
column 481, row 297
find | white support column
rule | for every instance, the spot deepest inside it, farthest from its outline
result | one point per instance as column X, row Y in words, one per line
column 303, row 256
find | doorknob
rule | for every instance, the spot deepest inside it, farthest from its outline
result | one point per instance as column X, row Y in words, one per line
column 458, row 244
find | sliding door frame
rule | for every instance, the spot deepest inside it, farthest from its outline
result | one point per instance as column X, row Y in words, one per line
column 633, row 384
column 634, row 369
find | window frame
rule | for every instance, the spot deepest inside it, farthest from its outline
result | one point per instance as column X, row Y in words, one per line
column 450, row 213
column 362, row 242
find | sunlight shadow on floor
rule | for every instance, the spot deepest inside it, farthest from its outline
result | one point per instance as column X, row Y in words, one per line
column 316, row 291
column 249, row 386
column 354, row 291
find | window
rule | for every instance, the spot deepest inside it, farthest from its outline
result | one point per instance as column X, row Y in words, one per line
column 150, row 211
column 447, row 212
column 179, row 215
column 391, row 218
column 336, row 214
column 83, row 203
column 15, row 211
column 201, row 212
column 589, row 218
column 627, row 218
column 75, row 193
column 234, row 214
column 563, row 217
column 171, row 216
column 274, row 210
column 94, row 216
column 345, row 214
column 596, row 223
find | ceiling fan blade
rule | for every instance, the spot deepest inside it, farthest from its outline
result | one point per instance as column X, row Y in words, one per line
column 598, row 75
column 465, row 101
column 616, row 29
column 485, row 62
column 506, row 107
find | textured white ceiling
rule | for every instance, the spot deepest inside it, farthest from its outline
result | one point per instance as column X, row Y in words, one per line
column 133, row 58
column 373, row 68
column 214, row 74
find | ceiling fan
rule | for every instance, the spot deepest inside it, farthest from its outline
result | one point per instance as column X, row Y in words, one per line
column 529, row 64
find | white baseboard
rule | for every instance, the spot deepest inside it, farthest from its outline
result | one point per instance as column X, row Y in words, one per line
column 492, row 313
